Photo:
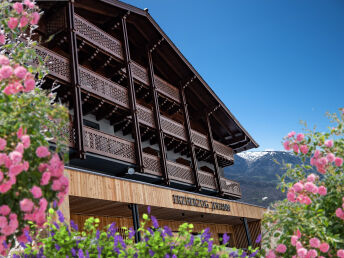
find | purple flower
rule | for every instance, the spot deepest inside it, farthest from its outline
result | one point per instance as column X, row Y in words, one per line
column 150, row 231
column 4, row 243
column 120, row 239
column 131, row 233
column 73, row 225
column 206, row 235
column 116, row 250
column 22, row 244
column 149, row 209
column 54, row 204
column 98, row 234
column 61, row 217
column 167, row 256
column 253, row 254
column 16, row 256
column 174, row 256
column 73, row 252
column 225, row 238
column 151, row 253
column 155, row 222
column 168, row 231
column 87, row 254
column 99, row 251
column 192, row 238
column 56, row 225
column 57, row 247
column 214, row 256
column 259, row 238
column 28, row 237
column 136, row 255
column 244, row 254
column 210, row 246
column 81, row 254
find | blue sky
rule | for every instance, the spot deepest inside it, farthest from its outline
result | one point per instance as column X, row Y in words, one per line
column 272, row 62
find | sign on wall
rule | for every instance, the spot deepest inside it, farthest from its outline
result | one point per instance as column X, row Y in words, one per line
column 188, row 201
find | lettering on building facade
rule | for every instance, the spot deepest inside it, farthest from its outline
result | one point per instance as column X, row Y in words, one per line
column 188, row 201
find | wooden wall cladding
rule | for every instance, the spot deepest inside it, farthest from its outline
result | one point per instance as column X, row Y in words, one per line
column 84, row 184
column 239, row 231
column 215, row 229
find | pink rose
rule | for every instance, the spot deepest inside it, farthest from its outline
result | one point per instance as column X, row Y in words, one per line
column 4, row 210
column 281, row 248
column 6, row 71
column 296, row 148
column 12, row 23
column 329, row 143
column 291, row 197
column 286, row 145
column 23, row 21
column 15, row 156
column 324, row 247
column 338, row 161
column 314, row 242
column 322, row 190
column 293, row 240
column 330, row 157
column 311, row 177
column 2, row 39
column 300, row 137
column 35, row 18
column 26, row 205
column 302, row 252
column 56, row 186
column 29, row 84
column 340, row 253
column 29, row 4
column 36, row 192
column 4, row 60
column 42, row 152
column 20, row 72
column 45, row 178
column 316, row 154
column 307, row 200
column 18, row 7
column 298, row 187
column 270, row 254
column 304, row 149
column 3, row 144
column 309, row 186
column 291, row 134
column 312, row 253
column 26, row 141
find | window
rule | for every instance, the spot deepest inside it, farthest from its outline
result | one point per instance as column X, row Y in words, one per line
column 91, row 124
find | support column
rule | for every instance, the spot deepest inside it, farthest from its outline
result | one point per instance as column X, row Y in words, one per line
column 132, row 97
column 212, row 149
column 247, row 231
column 189, row 137
column 162, row 148
column 136, row 221
column 75, row 79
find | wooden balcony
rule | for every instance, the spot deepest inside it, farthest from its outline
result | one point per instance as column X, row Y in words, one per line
column 104, row 88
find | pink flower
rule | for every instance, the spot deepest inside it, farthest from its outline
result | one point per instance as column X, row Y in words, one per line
column 35, row 18
column 302, row 252
column 16, row 169
column 20, row 72
column 2, row 39
column 322, row 190
column 56, row 186
column 340, row 253
column 4, row 210
column 340, row 213
column 3, row 144
column 311, row 177
column 314, row 242
column 291, row 134
column 312, row 253
column 23, row 21
column 291, row 197
column 6, row 71
column 26, row 141
column 12, row 23
column 316, row 154
column 298, row 187
column 29, row 4
column 304, row 149
column 3, row 221
column 293, row 240
column 309, row 186
column 286, row 145
column 29, row 84
column 42, row 152
column 296, row 148
column 298, row 233
column 1, row 176
column 338, row 161
column 43, row 204
column 330, row 157
column 281, row 248
column 36, row 192
column 300, row 137
column 45, row 178
column 15, row 156
column 4, row 60
column 270, row 254
column 306, row 200
column 18, row 7
column 324, row 247
column 26, row 205
column 329, row 143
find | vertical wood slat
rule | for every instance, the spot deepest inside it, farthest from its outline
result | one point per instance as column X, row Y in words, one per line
column 132, row 97
column 189, row 138
column 157, row 119
column 212, row 150
column 75, row 80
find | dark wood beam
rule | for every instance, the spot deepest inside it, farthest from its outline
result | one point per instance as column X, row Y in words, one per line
column 132, row 98
column 75, row 80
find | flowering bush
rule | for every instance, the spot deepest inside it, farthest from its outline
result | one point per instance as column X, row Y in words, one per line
column 157, row 242
column 310, row 222
column 31, row 175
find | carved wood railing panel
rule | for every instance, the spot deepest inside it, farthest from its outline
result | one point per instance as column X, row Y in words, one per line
column 98, row 37
column 200, row 139
column 223, row 150
column 180, row 172
column 167, row 89
column 151, row 164
column 103, row 87
column 207, row 179
column 145, row 116
column 108, row 145
column 230, row 187
column 173, row 128
column 58, row 65
column 139, row 73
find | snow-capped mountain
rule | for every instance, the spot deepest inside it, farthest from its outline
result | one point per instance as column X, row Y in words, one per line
column 257, row 173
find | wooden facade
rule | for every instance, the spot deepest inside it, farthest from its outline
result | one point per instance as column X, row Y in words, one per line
column 138, row 111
